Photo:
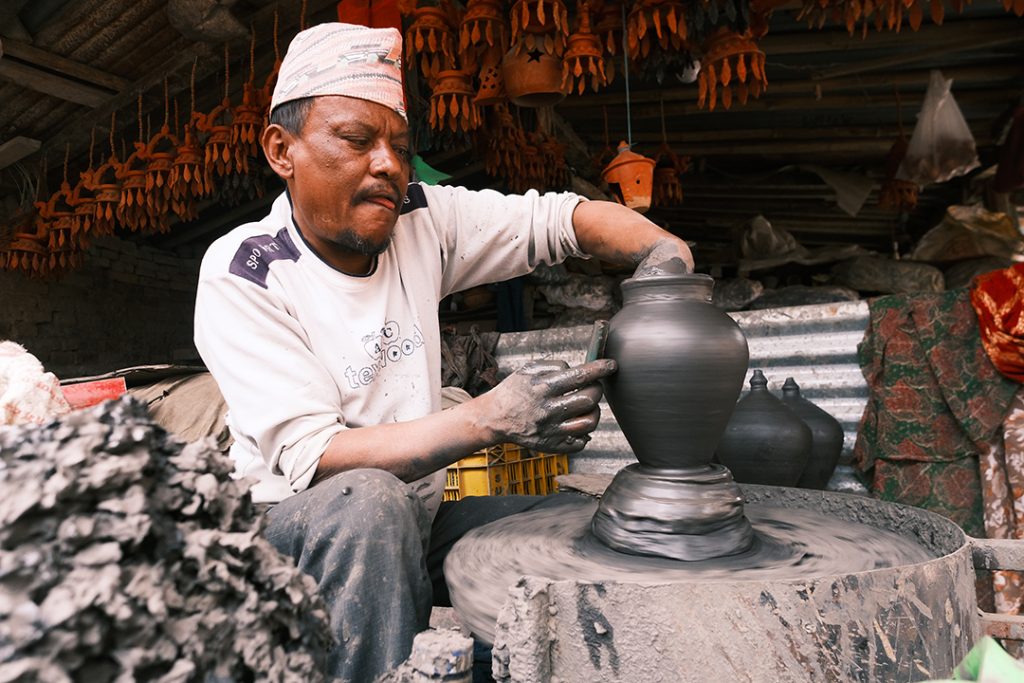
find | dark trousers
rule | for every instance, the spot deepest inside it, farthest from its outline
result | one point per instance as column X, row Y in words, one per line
column 377, row 559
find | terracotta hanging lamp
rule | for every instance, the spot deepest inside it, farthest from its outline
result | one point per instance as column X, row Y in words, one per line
column 668, row 167
column 58, row 212
column 732, row 64
column 219, row 153
column 159, row 156
column 132, row 209
column 505, row 144
column 83, row 201
column 492, row 84
column 106, row 188
column 27, row 251
column 484, row 28
column 189, row 179
column 532, row 79
column 583, row 62
column 540, row 25
column 247, row 117
column 430, row 42
column 660, row 23
column 631, row 176
column 451, row 103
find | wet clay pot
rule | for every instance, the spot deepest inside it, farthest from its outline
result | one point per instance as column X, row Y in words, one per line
column 681, row 364
column 765, row 442
column 826, row 437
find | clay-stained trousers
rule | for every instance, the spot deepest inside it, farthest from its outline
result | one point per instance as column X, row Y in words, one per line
column 367, row 540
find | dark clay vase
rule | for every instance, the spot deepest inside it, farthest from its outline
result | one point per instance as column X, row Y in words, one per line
column 826, row 437
column 681, row 364
column 765, row 442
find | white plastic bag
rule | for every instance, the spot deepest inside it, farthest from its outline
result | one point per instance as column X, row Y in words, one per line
column 942, row 146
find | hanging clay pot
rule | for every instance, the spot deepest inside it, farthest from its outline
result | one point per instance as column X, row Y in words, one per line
column 246, row 126
column 132, row 210
column 219, row 155
column 632, row 176
column 732, row 62
column 85, row 210
column 826, row 437
column 492, row 85
column 188, row 179
column 532, row 79
column 451, row 103
column 668, row 188
column 430, row 42
column 583, row 62
column 765, row 442
column 106, row 189
column 660, row 23
column 159, row 157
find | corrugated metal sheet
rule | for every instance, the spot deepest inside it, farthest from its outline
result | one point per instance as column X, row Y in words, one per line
column 815, row 345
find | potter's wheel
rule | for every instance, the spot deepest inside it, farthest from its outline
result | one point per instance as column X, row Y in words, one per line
column 557, row 543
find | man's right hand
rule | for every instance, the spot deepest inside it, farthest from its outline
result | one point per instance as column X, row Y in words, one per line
column 547, row 405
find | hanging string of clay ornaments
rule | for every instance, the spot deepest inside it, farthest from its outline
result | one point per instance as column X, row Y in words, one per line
column 505, row 143
column 732, row 62
column 483, row 39
column 58, row 212
column 881, row 14
column 247, row 118
column 583, row 62
column 26, row 251
column 540, row 25
column 660, row 22
column 106, row 188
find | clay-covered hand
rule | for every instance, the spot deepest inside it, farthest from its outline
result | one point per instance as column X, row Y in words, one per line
column 549, row 406
column 665, row 258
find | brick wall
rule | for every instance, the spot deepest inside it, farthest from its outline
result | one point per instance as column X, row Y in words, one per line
column 126, row 305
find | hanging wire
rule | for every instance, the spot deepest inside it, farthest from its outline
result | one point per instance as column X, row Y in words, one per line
column 113, row 122
column 192, row 87
column 302, row 17
column 661, row 105
column 625, row 65
column 227, row 72
column 252, row 52
column 277, row 49
column 92, row 144
column 139, row 114
column 167, row 105
column 67, row 155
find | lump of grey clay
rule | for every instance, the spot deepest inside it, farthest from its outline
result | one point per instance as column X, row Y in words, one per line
column 126, row 554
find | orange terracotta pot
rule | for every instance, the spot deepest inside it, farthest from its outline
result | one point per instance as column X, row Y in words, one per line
column 633, row 174
column 532, row 79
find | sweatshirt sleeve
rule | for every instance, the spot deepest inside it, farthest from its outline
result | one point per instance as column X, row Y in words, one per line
column 283, row 401
column 489, row 237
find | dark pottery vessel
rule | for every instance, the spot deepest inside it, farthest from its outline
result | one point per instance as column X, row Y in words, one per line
column 765, row 442
column 826, row 437
column 681, row 363
column 681, row 367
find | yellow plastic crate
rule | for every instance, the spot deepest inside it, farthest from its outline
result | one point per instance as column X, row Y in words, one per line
column 504, row 470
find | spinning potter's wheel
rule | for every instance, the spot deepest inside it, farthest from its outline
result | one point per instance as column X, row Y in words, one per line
column 557, row 543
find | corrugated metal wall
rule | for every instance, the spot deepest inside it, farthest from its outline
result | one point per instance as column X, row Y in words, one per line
column 815, row 345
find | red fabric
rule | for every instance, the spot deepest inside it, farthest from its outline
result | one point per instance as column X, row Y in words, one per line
column 998, row 299
column 372, row 13
column 1010, row 174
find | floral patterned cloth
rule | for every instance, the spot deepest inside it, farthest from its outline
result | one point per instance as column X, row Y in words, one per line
column 935, row 404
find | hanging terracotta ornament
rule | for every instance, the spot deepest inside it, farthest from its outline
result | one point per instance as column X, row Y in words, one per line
column 132, row 209
column 668, row 167
column 430, row 42
column 631, row 177
column 505, row 142
column 266, row 93
column 484, row 29
column 897, row 194
column 451, row 103
column 659, row 23
column 540, row 25
column 83, row 201
column 732, row 62
column 219, row 156
column 583, row 62
column 189, row 179
column 532, row 79
column 492, row 85
column 58, row 212
column 27, row 251
column 556, row 173
column 106, row 188
column 1015, row 6
column 247, row 118
column 159, row 156
column 609, row 27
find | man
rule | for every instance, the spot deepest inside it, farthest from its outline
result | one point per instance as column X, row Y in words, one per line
column 320, row 325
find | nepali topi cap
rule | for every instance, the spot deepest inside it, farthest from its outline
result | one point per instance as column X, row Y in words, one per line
column 343, row 59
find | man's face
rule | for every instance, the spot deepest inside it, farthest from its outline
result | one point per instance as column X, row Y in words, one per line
column 350, row 169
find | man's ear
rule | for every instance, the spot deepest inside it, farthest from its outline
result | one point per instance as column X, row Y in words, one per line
column 276, row 143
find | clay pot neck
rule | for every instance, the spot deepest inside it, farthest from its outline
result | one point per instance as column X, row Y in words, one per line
column 791, row 388
column 758, row 382
column 690, row 287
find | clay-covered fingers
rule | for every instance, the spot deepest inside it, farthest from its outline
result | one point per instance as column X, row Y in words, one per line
column 578, row 377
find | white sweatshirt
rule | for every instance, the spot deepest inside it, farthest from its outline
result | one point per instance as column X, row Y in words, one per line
column 302, row 351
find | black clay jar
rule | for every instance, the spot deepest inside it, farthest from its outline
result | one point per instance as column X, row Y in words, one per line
column 826, row 437
column 765, row 442
column 681, row 367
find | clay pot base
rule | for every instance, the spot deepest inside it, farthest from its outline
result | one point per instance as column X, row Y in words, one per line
column 556, row 543
column 685, row 514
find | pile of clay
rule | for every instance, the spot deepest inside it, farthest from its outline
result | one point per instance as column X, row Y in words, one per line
column 557, row 543
column 126, row 555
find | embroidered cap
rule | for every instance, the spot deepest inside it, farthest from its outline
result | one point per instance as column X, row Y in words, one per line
column 343, row 59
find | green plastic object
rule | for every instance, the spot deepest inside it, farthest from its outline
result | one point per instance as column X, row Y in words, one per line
column 426, row 173
column 988, row 662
